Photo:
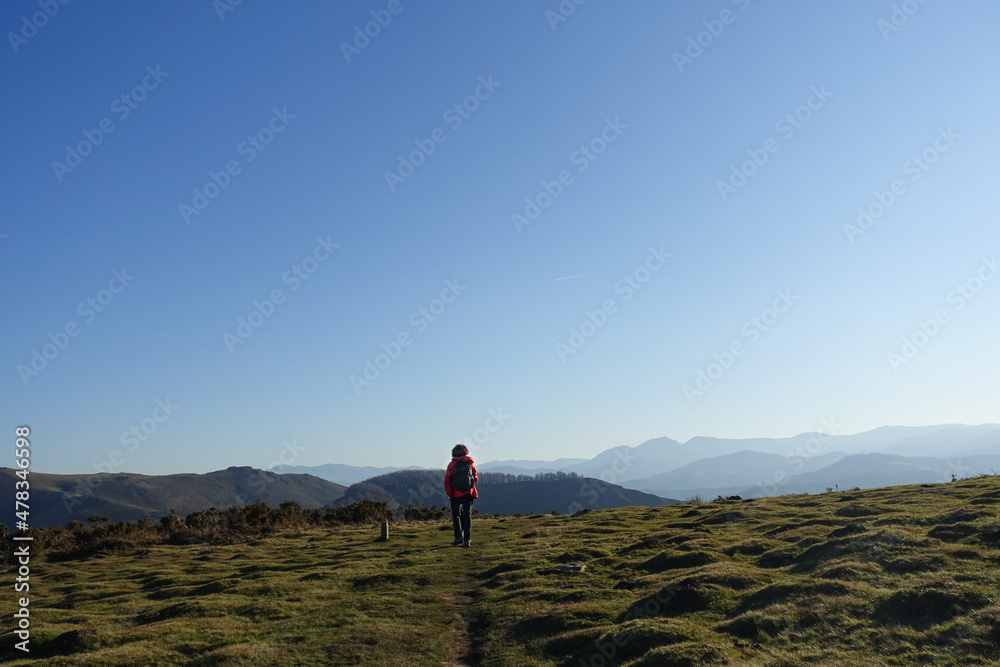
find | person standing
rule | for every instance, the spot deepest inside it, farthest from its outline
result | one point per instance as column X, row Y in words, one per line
column 460, row 484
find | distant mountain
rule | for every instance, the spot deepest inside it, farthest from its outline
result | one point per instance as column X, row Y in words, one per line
column 946, row 441
column 502, row 494
column 875, row 470
column 661, row 455
column 340, row 473
column 858, row 470
column 523, row 467
column 620, row 464
column 744, row 468
column 707, row 446
column 878, row 439
column 59, row 499
column 979, row 449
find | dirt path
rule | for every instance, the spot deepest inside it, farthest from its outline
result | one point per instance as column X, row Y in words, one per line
column 462, row 650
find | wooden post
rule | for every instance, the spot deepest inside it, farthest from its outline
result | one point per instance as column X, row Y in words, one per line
column 385, row 530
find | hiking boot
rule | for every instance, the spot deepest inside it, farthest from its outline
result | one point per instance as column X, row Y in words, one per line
column 458, row 540
column 466, row 543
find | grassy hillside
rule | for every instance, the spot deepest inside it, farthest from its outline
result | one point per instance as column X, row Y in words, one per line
column 59, row 499
column 893, row 576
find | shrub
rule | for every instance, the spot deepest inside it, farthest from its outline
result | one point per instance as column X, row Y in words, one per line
column 289, row 515
column 172, row 522
column 417, row 512
column 365, row 511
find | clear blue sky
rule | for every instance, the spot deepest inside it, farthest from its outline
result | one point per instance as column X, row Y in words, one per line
column 662, row 138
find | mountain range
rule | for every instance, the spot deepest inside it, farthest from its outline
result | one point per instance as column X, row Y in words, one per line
column 808, row 462
column 651, row 473
column 754, row 474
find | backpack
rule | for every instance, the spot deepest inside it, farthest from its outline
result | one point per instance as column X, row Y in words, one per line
column 461, row 477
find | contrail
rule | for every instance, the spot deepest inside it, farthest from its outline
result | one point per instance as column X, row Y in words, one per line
column 582, row 275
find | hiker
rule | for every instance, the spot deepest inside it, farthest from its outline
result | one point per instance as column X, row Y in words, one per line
column 460, row 485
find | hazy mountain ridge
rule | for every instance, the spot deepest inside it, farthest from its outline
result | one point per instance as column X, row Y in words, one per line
column 961, row 439
column 741, row 468
column 864, row 471
column 670, row 468
column 638, row 467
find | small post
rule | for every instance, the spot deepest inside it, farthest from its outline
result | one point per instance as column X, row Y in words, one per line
column 385, row 530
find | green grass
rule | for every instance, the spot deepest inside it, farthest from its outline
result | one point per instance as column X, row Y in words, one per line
column 895, row 576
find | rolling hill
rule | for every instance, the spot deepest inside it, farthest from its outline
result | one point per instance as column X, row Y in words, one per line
column 59, row 499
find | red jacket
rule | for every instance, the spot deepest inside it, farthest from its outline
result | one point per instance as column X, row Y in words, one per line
column 447, row 478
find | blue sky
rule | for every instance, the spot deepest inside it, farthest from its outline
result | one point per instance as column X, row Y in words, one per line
column 641, row 139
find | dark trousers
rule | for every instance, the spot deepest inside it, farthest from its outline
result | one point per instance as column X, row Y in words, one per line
column 462, row 519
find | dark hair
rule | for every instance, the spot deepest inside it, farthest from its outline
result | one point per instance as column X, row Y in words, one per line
column 459, row 450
